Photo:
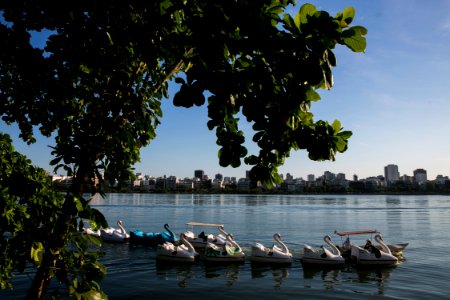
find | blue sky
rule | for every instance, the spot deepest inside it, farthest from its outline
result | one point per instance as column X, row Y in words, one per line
column 393, row 97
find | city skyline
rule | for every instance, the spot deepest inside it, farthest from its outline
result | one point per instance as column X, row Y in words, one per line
column 393, row 98
column 387, row 170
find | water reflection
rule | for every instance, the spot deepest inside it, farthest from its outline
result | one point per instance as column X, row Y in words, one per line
column 324, row 273
column 392, row 201
column 328, row 275
column 279, row 273
column 182, row 272
column 377, row 276
column 394, row 215
column 218, row 270
column 256, row 200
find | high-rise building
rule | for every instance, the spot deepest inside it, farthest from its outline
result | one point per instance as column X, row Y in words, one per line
column 340, row 176
column 391, row 173
column 289, row 178
column 420, row 176
column 199, row 174
column 329, row 176
column 311, row 177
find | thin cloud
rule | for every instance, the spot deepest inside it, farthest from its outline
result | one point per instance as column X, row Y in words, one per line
column 445, row 26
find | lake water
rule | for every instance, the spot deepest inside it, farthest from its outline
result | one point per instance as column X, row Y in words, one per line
column 422, row 221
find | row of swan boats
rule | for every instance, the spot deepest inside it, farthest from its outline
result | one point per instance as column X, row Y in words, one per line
column 223, row 247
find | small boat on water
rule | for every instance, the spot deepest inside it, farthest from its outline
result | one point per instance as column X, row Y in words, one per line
column 275, row 254
column 323, row 256
column 229, row 252
column 202, row 239
column 345, row 248
column 116, row 235
column 371, row 255
column 176, row 253
column 139, row 237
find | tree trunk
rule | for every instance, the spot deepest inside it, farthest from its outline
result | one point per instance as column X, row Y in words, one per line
column 43, row 276
column 46, row 271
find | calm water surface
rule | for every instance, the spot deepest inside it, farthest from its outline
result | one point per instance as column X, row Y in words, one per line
column 423, row 221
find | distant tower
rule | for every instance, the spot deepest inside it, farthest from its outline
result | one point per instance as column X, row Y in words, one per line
column 329, row 176
column 289, row 177
column 199, row 174
column 355, row 177
column 340, row 176
column 391, row 173
column 218, row 176
column 420, row 176
column 311, row 177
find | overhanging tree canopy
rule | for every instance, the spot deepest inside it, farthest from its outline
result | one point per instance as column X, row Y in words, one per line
column 99, row 82
column 106, row 66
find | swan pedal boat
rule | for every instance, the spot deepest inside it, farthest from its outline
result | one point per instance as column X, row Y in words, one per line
column 275, row 254
column 229, row 252
column 202, row 239
column 110, row 234
column 396, row 249
column 371, row 255
column 171, row 252
column 139, row 237
column 115, row 235
column 323, row 256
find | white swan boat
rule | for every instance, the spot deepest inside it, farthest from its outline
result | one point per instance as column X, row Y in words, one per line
column 229, row 252
column 178, row 253
column 275, row 254
column 396, row 249
column 323, row 256
column 202, row 239
column 118, row 235
column 371, row 255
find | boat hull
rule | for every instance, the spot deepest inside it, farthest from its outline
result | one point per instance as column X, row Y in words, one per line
column 172, row 258
column 374, row 262
column 271, row 260
column 322, row 262
column 374, row 257
column 224, row 259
